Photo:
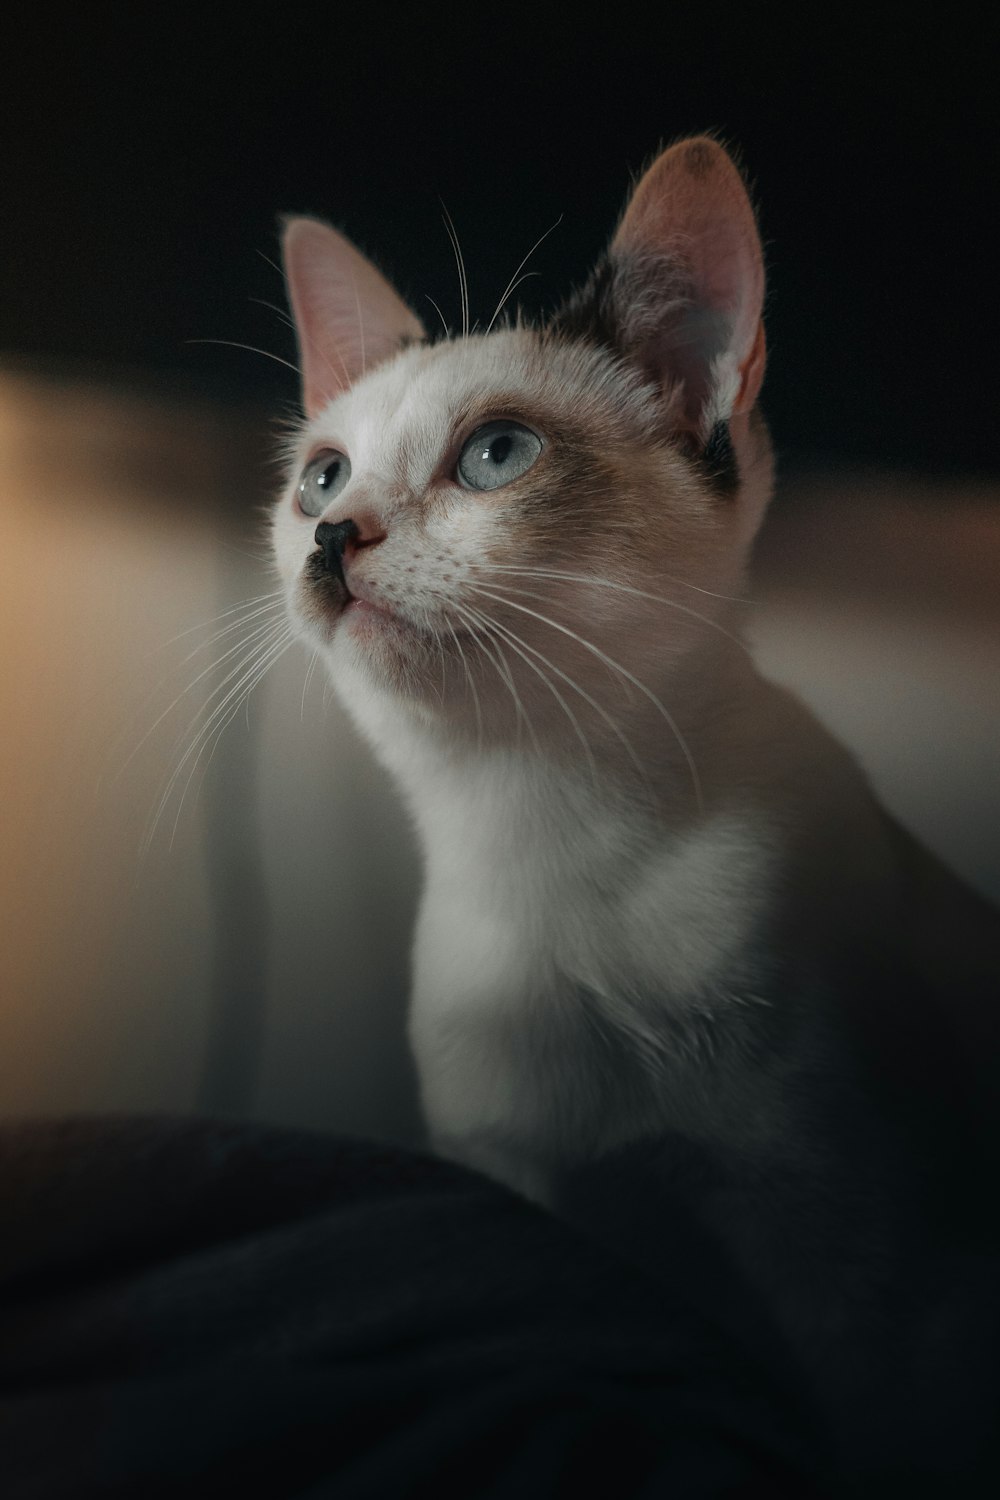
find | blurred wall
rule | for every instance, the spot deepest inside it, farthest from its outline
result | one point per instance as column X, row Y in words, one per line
column 248, row 954
column 190, row 964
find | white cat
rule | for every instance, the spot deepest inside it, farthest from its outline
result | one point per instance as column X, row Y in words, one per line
column 664, row 921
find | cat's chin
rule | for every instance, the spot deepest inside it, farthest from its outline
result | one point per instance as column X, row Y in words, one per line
column 367, row 620
column 389, row 652
column 330, row 610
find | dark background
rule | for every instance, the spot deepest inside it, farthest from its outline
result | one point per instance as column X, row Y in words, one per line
column 145, row 162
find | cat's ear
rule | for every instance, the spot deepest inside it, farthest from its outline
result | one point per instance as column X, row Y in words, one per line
column 682, row 290
column 347, row 316
column 690, row 217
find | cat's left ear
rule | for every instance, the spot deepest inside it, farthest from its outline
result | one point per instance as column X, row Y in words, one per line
column 682, row 291
column 347, row 316
column 691, row 210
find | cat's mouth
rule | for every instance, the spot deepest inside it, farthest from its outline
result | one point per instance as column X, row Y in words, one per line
column 331, row 600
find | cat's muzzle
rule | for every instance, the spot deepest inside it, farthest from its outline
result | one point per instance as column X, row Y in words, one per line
column 327, row 585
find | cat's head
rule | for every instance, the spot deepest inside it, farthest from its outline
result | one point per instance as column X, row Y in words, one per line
column 508, row 531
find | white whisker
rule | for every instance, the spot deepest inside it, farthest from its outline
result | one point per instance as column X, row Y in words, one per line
column 479, row 625
column 233, row 344
column 444, row 325
column 463, row 284
column 570, row 682
column 260, row 556
column 264, row 664
column 258, row 643
column 528, row 276
column 683, row 609
column 361, row 329
column 517, row 644
column 265, row 604
column 514, row 283
column 624, row 587
column 443, row 665
column 469, row 679
column 257, row 633
column 310, row 669
column 266, row 650
column 301, row 331
column 273, row 264
column 273, row 307
column 616, row 667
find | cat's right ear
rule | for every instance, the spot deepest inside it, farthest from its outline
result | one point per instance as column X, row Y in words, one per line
column 347, row 316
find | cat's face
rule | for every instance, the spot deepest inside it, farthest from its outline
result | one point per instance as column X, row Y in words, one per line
column 507, row 531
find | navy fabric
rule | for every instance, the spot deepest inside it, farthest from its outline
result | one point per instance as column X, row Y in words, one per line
column 196, row 1308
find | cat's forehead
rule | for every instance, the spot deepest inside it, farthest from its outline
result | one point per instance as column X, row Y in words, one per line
column 419, row 398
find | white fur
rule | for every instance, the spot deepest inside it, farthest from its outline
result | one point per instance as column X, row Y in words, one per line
column 558, row 908
column 541, row 900
column 596, row 888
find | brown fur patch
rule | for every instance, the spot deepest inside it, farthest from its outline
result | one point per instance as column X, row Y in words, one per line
column 699, row 159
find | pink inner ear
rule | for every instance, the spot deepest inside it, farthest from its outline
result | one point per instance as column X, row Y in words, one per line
column 691, row 206
column 347, row 316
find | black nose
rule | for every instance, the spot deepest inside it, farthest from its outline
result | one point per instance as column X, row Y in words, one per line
column 333, row 537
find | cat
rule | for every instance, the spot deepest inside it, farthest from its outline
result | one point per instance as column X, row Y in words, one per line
column 672, row 956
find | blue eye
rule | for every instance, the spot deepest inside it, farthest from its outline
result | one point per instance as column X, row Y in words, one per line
column 322, row 480
column 496, row 454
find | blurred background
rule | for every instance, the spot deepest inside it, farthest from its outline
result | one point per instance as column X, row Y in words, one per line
column 214, row 914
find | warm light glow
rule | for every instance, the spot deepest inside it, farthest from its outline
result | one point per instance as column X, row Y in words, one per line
column 122, row 532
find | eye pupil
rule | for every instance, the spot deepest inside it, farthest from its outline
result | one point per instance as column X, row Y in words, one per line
column 499, row 450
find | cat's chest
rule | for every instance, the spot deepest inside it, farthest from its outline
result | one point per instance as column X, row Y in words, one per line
column 526, row 902
column 561, row 974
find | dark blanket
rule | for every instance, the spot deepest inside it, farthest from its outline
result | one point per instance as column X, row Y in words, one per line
column 201, row 1309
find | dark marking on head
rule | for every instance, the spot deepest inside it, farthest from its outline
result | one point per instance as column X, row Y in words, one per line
column 591, row 312
column 629, row 305
column 718, row 460
column 698, row 159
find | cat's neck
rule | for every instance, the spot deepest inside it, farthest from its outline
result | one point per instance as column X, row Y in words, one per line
column 734, row 746
column 643, row 751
